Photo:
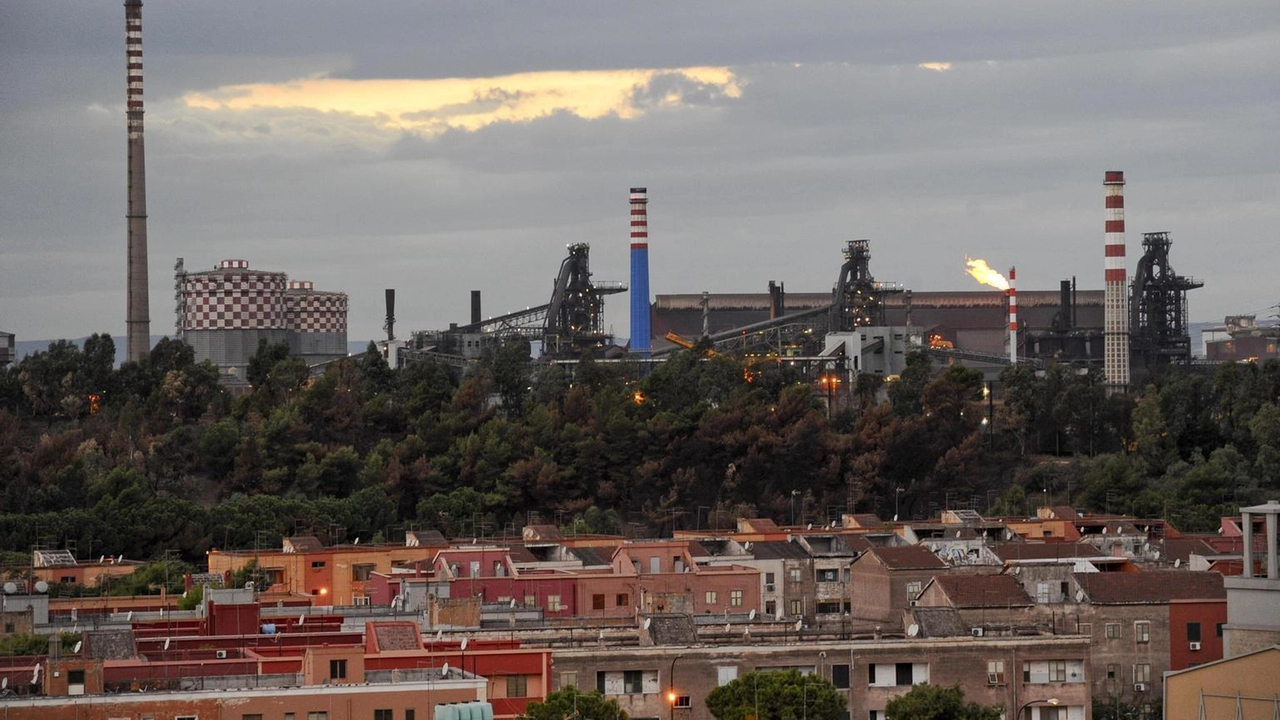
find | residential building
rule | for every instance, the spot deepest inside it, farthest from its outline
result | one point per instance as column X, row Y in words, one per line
column 885, row 581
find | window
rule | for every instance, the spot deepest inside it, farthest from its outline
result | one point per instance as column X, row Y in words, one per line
column 770, row 607
column 360, row 572
column 828, row 575
column 1193, row 632
column 408, row 714
column 597, row 602
column 1218, row 629
column 726, row 674
column 382, row 714
column 1142, row 631
column 359, row 599
column 517, row 686
column 1057, row 671
column 622, row 600
column 1142, row 673
column 288, row 716
column 318, row 715
column 568, row 680
column 553, row 603
column 768, row 582
column 1053, row 713
column 902, row 674
column 75, row 677
column 735, row 598
column 840, row 676
column 995, row 672
column 1086, row 628
column 68, row 579
column 828, row 607
column 712, row 597
column 317, row 564
column 251, row 716
column 913, row 590
column 797, row 607
column 1113, row 631
column 530, row 600
column 682, row 701
column 1042, row 592
column 655, row 564
column 632, row 682
column 1113, row 672
column 473, row 569
column 337, row 669
column 794, row 575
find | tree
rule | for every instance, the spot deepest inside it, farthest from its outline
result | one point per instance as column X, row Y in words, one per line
column 785, row 695
column 934, row 702
column 572, row 703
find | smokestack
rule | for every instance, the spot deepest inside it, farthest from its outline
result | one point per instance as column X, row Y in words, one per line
column 390, row 325
column 640, row 339
column 1115, row 321
column 475, row 307
column 138, row 314
column 1013, row 316
column 1066, row 306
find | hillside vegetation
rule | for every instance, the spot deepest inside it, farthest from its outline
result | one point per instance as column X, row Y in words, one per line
column 155, row 456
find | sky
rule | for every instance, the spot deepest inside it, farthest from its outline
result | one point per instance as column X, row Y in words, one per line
column 444, row 147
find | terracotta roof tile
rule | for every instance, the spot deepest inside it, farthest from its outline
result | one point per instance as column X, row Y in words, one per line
column 1045, row 551
column 1151, row 587
column 966, row 591
column 912, row 557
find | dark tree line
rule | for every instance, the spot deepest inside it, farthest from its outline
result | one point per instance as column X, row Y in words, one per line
column 155, row 456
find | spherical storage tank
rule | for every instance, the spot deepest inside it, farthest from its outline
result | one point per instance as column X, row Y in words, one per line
column 228, row 310
column 316, row 321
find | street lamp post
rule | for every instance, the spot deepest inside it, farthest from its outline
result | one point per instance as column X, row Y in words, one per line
column 671, row 687
column 1050, row 702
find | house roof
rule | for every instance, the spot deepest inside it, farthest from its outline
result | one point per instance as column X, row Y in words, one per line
column 1151, row 586
column 912, row 557
column 590, row 556
column 939, row 622
column 970, row 591
column 1183, row 548
column 758, row 525
column 303, row 544
column 778, row 550
column 1044, row 551
column 425, row 538
column 864, row 520
column 545, row 533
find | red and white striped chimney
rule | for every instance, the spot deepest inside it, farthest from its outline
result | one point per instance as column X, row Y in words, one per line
column 1115, row 320
column 1013, row 316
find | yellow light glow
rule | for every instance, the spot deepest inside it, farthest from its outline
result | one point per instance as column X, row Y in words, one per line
column 434, row 106
column 984, row 274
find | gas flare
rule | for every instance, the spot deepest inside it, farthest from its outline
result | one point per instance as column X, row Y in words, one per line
column 984, row 274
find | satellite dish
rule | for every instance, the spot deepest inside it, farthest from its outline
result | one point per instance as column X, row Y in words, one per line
column 647, row 623
column 166, row 643
column 302, row 618
column 809, row 526
column 464, row 643
column 76, row 649
column 102, row 559
column 35, row 675
column 42, row 586
column 444, row 671
column 129, row 617
column 513, row 603
column 799, row 625
column 1177, row 563
column 913, row 631
column 751, row 615
column 10, row 588
column 439, row 634
column 4, row 684
column 728, row 627
column 895, row 517
column 357, row 542
column 1080, row 595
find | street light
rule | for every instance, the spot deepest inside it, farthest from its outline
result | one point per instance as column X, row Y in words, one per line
column 1049, row 702
column 671, row 686
column 896, row 493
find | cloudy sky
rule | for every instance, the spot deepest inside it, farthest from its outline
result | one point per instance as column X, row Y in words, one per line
column 443, row 147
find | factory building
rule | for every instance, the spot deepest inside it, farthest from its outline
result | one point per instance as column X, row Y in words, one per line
column 224, row 313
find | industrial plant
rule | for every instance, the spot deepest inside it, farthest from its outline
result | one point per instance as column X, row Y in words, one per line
column 1131, row 330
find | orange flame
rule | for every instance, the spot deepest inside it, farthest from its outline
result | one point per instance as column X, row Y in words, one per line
column 984, row 274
